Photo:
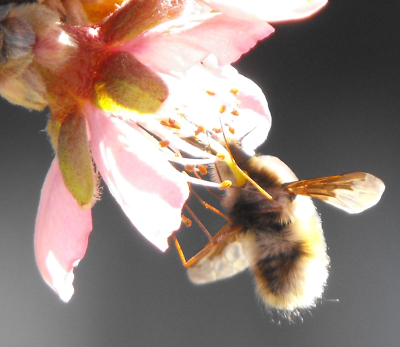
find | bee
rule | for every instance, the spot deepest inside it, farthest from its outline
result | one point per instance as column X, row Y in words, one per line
column 274, row 229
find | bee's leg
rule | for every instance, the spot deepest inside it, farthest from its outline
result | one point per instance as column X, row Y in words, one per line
column 200, row 224
column 207, row 205
column 219, row 237
column 182, row 255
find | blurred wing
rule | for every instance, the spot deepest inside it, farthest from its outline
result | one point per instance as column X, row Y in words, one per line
column 353, row 192
column 224, row 259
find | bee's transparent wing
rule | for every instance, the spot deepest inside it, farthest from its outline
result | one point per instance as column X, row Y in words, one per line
column 223, row 259
column 353, row 192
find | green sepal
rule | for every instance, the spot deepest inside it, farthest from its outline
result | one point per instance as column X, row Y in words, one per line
column 53, row 129
column 75, row 160
column 126, row 84
column 138, row 16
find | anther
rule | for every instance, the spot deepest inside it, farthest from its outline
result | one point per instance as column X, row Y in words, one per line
column 200, row 129
column 186, row 221
column 225, row 184
column 235, row 112
column 234, row 91
column 222, row 109
column 174, row 124
column 221, row 156
column 164, row 143
column 202, row 169
column 210, row 92
column 189, row 168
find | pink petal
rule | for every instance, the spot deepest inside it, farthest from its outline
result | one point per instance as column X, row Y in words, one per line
column 182, row 45
column 61, row 233
column 253, row 106
column 268, row 10
column 191, row 90
column 149, row 190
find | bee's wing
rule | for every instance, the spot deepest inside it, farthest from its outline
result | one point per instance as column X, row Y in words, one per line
column 353, row 192
column 222, row 260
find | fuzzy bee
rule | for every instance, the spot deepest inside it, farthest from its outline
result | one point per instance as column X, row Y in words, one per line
column 274, row 228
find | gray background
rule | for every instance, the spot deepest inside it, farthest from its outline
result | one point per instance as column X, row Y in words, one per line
column 333, row 86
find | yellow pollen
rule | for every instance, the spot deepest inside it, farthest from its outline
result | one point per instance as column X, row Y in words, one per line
column 222, row 109
column 234, row 91
column 210, row 92
column 235, row 112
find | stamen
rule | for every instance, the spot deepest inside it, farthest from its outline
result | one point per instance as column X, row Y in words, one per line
column 217, row 130
column 214, row 137
column 235, row 112
column 210, row 92
column 202, row 169
column 208, row 189
column 154, row 127
column 174, row 124
column 201, row 182
column 221, row 156
column 234, row 91
column 225, row 184
column 165, row 123
column 200, row 129
column 231, row 130
column 189, row 161
column 222, row 109
column 189, row 168
column 164, row 143
column 186, row 221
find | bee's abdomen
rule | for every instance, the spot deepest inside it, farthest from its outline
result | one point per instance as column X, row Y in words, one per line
column 289, row 274
column 278, row 271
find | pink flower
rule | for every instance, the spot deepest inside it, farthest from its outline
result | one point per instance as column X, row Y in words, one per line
column 153, row 68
